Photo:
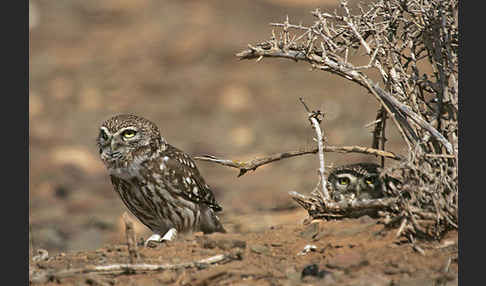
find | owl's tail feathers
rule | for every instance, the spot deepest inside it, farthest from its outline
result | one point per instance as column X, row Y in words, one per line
column 210, row 222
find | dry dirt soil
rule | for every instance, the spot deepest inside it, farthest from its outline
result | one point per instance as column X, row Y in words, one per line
column 174, row 63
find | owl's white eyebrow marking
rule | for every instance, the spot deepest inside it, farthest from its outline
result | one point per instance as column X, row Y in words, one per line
column 129, row 128
column 104, row 129
column 349, row 176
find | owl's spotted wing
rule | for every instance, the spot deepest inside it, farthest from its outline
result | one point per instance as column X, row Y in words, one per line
column 182, row 173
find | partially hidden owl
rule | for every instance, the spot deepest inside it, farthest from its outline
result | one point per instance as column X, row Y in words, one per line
column 158, row 183
column 355, row 181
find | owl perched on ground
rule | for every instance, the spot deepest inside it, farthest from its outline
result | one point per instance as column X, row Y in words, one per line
column 361, row 181
column 158, row 183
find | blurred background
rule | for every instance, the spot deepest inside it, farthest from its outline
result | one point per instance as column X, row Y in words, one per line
column 174, row 63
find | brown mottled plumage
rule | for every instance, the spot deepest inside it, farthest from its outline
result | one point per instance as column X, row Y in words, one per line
column 158, row 183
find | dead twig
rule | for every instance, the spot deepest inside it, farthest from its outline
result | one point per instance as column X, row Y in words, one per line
column 379, row 138
column 120, row 269
column 363, row 150
column 403, row 224
column 131, row 239
column 252, row 165
column 317, row 209
column 315, row 119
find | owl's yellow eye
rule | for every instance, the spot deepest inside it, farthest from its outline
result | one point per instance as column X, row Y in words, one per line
column 128, row 133
column 343, row 181
column 370, row 181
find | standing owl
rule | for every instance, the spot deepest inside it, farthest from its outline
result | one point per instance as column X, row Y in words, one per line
column 361, row 181
column 158, row 183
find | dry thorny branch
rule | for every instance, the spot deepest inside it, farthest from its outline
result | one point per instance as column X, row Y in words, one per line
column 414, row 47
column 252, row 165
column 42, row 276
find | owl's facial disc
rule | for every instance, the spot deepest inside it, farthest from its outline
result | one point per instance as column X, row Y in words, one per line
column 115, row 146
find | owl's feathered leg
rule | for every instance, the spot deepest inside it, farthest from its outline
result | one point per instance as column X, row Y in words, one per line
column 156, row 237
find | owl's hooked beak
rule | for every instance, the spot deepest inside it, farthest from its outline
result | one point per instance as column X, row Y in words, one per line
column 109, row 156
column 113, row 153
column 359, row 189
column 114, row 144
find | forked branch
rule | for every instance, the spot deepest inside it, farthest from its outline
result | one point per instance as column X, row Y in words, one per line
column 252, row 165
column 315, row 117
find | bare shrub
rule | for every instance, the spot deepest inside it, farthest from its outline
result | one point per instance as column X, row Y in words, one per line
column 413, row 47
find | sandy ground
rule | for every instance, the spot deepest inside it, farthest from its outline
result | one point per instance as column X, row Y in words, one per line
column 349, row 252
column 173, row 62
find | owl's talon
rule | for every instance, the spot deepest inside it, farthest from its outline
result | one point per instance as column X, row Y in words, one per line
column 151, row 243
column 155, row 238
column 170, row 234
column 152, row 240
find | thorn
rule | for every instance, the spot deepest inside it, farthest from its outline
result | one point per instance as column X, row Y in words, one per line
column 305, row 105
column 208, row 156
column 242, row 172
